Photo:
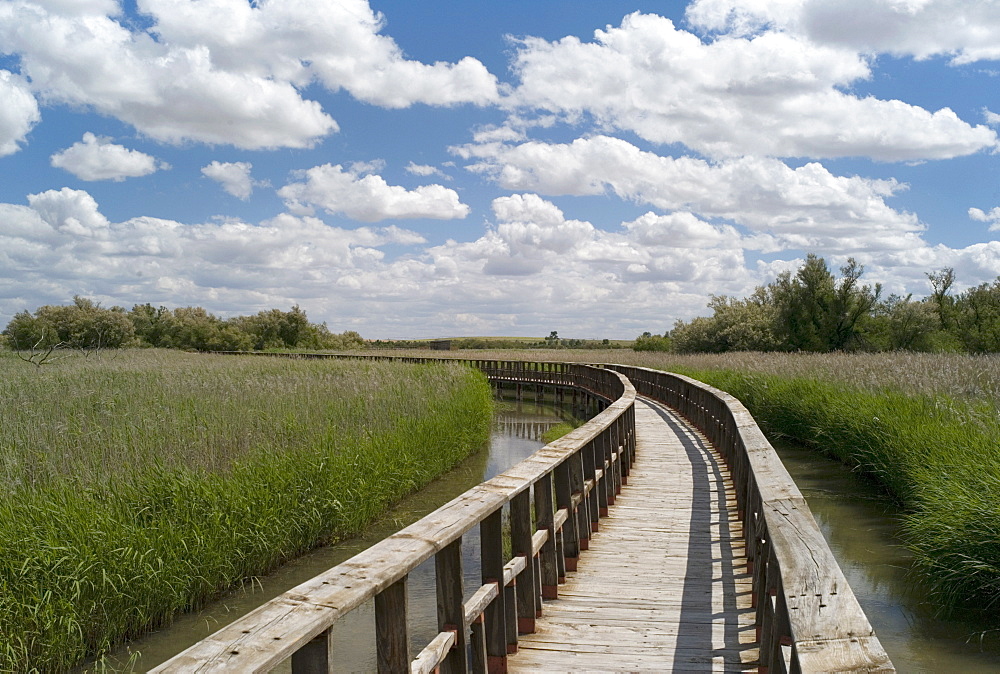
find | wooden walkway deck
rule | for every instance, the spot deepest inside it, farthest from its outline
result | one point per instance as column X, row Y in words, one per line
column 664, row 585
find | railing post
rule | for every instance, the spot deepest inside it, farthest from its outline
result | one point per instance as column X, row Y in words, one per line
column 315, row 657
column 589, row 456
column 491, row 544
column 450, row 610
column 571, row 532
column 520, row 540
column 392, row 640
column 583, row 509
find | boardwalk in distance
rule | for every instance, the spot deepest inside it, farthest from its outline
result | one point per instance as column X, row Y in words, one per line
column 663, row 586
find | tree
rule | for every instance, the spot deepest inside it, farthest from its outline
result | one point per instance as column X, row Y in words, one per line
column 647, row 341
column 817, row 313
column 977, row 318
column 83, row 325
column 941, row 283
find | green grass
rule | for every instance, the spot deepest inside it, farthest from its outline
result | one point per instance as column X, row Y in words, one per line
column 146, row 485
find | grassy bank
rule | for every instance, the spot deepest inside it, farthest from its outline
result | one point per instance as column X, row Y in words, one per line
column 924, row 426
column 144, row 485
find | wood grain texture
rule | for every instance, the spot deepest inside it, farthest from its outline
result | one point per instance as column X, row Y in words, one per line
column 663, row 586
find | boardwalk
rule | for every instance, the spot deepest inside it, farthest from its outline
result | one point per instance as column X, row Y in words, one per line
column 663, row 586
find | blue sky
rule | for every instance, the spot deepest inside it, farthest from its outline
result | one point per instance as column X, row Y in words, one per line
column 453, row 168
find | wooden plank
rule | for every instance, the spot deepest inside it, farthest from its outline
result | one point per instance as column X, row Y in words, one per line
column 657, row 580
column 433, row 654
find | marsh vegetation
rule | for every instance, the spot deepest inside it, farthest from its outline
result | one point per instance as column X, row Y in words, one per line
column 143, row 485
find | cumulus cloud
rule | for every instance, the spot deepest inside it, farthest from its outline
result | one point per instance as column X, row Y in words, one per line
column 18, row 114
column 966, row 31
column 992, row 217
column 225, row 71
column 768, row 94
column 60, row 244
column 533, row 270
column 807, row 207
column 97, row 158
column 368, row 198
column 72, row 211
column 233, row 176
column 426, row 170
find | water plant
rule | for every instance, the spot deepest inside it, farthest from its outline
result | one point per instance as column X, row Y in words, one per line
column 145, row 485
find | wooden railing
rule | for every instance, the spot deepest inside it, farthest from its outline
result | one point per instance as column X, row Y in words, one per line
column 570, row 482
column 808, row 619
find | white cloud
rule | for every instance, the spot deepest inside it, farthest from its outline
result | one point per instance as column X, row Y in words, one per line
column 993, row 217
column 532, row 271
column 60, row 245
column 97, row 158
column 772, row 94
column 225, row 71
column 233, row 176
column 426, row 170
column 807, row 207
column 991, row 117
column 18, row 113
column 966, row 31
column 71, row 211
column 368, row 197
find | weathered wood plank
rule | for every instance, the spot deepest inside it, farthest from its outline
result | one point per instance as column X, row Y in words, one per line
column 659, row 584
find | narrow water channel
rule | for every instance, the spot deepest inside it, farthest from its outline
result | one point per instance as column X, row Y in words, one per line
column 864, row 533
column 517, row 432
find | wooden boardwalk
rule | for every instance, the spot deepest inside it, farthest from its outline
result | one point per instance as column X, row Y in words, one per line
column 663, row 586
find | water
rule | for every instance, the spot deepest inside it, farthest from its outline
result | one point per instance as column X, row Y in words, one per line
column 516, row 435
column 863, row 529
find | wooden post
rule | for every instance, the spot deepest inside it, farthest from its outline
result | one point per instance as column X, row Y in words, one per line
column 314, row 657
column 583, row 510
column 479, row 659
column 450, row 611
column 520, row 540
column 588, row 454
column 491, row 544
column 392, row 640
column 547, row 555
column 570, row 530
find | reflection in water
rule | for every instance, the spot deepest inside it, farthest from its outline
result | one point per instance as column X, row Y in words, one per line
column 516, row 435
column 863, row 530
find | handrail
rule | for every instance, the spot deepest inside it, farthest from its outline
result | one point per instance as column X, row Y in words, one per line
column 808, row 619
column 570, row 482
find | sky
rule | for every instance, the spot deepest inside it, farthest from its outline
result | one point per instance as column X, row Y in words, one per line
column 457, row 168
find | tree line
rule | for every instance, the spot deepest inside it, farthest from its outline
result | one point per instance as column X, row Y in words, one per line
column 87, row 326
column 813, row 310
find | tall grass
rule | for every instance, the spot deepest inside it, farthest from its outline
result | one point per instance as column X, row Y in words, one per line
column 924, row 426
column 142, row 486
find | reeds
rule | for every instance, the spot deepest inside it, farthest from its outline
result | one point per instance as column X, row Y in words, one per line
column 145, row 485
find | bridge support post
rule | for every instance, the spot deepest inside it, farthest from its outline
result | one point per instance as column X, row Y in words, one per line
column 495, row 627
column 520, row 539
column 315, row 657
column 450, row 610
column 392, row 639
column 589, row 456
column 583, row 508
column 570, row 530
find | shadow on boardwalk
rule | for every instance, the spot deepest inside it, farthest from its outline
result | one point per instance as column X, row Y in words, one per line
column 663, row 586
